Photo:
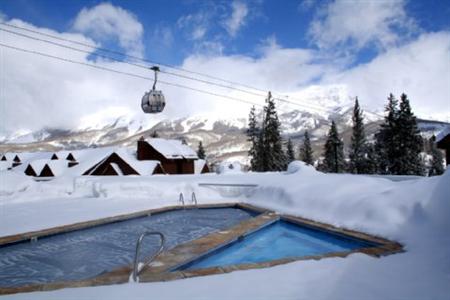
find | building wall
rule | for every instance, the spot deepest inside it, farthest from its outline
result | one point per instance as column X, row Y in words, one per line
column 172, row 166
column 30, row 171
column 46, row 172
column 205, row 169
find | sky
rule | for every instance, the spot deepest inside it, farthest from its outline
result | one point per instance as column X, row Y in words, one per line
column 336, row 49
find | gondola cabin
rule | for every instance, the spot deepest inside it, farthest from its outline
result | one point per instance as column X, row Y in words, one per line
column 153, row 101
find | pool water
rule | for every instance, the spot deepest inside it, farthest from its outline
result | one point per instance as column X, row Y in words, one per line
column 89, row 252
column 276, row 241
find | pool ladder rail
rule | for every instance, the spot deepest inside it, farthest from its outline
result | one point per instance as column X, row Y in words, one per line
column 193, row 199
column 136, row 269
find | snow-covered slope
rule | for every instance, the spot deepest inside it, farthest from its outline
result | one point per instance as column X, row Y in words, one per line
column 223, row 137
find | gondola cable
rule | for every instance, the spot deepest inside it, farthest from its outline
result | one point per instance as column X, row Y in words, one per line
column 310, row 105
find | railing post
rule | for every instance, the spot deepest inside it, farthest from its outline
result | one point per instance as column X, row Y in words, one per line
column 194, row 199
column 136, row 270
column 181, row 199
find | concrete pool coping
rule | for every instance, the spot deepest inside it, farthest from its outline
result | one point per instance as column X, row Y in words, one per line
column 162, row 269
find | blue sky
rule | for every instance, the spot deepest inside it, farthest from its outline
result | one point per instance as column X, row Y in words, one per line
column 287, row 20
column 309, row 50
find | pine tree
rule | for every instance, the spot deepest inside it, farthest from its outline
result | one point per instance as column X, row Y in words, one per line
column 411, row 143
column 273, row 144
column 437, row 159
column 371, row 166
column 290, row 155
column 261, row 163
column 306, row 153
column 387, row 145
column 201, row 151
column 358, row 147
column 398, row 143
column 253, row 136
column 334, row 152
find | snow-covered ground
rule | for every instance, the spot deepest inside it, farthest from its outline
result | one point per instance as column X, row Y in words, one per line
column 414, row 212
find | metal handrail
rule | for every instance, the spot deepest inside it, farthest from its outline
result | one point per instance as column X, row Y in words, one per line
column 193, row 199
column 181, row 199
column 149, row 260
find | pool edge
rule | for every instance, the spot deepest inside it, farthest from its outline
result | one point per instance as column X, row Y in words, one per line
column 121, row 274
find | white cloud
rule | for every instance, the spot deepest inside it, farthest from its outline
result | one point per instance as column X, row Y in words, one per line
column 106, row 21
column 198, row 32
column 421, row 69
column 209, row 48
column 361, row 23
column 237, row 18
column 195, row 24
column 39, row 92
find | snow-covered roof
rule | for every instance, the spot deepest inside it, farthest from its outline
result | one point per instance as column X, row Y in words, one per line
column 93, row 157
column 172, row 149
column 443, row 134
column 143, row 167
column 37, row 165
column 58, row 167
column 10, row 156
column 88, row 158
column 27, row 157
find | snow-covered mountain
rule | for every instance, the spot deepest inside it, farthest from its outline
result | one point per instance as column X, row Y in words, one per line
column 223, row 138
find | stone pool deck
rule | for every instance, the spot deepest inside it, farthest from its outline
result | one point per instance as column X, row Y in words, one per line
column 161, row 269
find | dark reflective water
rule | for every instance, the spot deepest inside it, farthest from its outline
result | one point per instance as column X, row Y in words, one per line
column 86, row 253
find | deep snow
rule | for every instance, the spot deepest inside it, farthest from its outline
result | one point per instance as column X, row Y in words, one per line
column 414, row 212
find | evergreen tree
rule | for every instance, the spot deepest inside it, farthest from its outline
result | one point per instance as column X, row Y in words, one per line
column 358, row 147
column 253, row 137
column 306, row 153
column 273, row 144
column 371, row 166
column 201, row 151
column 437, row 159
column 411, row 143
column 261, row 163
column 290, row 155
column 334, row 152
column 387, row 145
column 398, row 143
column 154, row 134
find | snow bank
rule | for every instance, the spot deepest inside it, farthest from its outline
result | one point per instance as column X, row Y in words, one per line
column 4, row 165
column 374, row 205
column 229, row 168
column 439, row 207
column 299, row 166
column 413, row 212
column 12, row 182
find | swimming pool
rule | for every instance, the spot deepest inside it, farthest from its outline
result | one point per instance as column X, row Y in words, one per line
column 89, row 252
column 278, row 240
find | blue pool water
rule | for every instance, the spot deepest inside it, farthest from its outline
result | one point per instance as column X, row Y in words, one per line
column 278, row 240
column 86, row 253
